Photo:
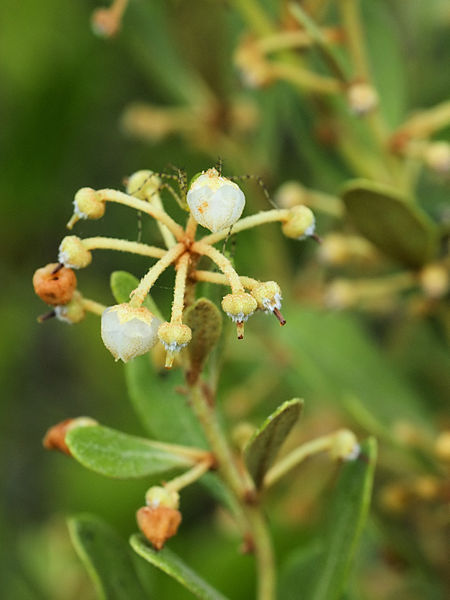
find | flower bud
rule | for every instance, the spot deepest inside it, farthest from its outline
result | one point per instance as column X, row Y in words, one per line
column 105, row 23
column 345, row 445
column 87, row 205
column 174, row 337
column 161, row 496
column 73, row 254
column 300, row 223
column 434, row 280
column 54, row 285
column 215, row 201
column 290, row 194
column 362, row 98
column 442, row 446
column 143, row 184
column 128, row 331
column 158, row 524
column 268, row 296
column 73, row 311
column 437, row 157
column 239, row 307
column 55, row 438
column 341, row 293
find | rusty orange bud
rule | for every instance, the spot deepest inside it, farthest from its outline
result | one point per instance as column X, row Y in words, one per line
column 54, row 285
column 55, row 438
column 158, row 523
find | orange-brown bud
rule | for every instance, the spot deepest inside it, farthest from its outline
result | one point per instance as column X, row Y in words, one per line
column 158, row 524
column 55, row 438
column 54, row 286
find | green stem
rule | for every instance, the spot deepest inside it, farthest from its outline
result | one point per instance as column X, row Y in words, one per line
column 227, row 468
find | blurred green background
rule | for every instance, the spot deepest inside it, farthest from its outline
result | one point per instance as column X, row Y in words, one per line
column 62, row 96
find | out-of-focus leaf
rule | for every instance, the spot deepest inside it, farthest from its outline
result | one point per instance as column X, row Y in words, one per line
column 171, row 564
column 386, row 61
column 117, row 454
column 262, row 448
column 204, row 318
column 397, row 228
column 333, row 356
column 106, row 557
column 321, row 572
column 123, row 283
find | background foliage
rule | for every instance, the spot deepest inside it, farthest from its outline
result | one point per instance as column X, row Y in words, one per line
column 62, row 100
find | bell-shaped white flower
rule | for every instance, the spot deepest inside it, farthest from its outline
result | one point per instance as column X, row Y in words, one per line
column 128, row 331
column 215, row 201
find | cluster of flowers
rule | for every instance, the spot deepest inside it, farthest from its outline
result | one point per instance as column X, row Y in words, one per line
column 213, row 201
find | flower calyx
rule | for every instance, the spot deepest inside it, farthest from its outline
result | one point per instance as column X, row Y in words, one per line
column 215, row 201
column 300, row 223
column 160, row 518
column 128, row 331
column 239, row 306
column 73, row 254
column 268, row 296
column 174, row 337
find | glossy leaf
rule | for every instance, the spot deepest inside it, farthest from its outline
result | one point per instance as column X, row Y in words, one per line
column 262, row 449
column 172, row 565
column 123, row 283
column 321, row 571
column 399, row 229
column 106, row 557
column 117, row 454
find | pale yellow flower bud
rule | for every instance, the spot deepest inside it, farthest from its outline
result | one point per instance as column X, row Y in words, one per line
column 345, row 445
column 239, row 307
column 174, row 337
column 437, row 157
column 434, row 280
column 362, row 98
column 143, row 184
column 290, row 194
column 300, row 223
column 87, row 204
column 442, row 446
column 160, row 496
column 73, row 311
column 73, row 254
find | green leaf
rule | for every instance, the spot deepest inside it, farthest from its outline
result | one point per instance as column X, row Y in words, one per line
column 334, row 357
column 106, row 557
column 123, row 283
column 262, row 448
column 117, row 454
column 399, row 229
column 346, row 520
column 321, row 572
column 171, row 564
column 205, row 320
